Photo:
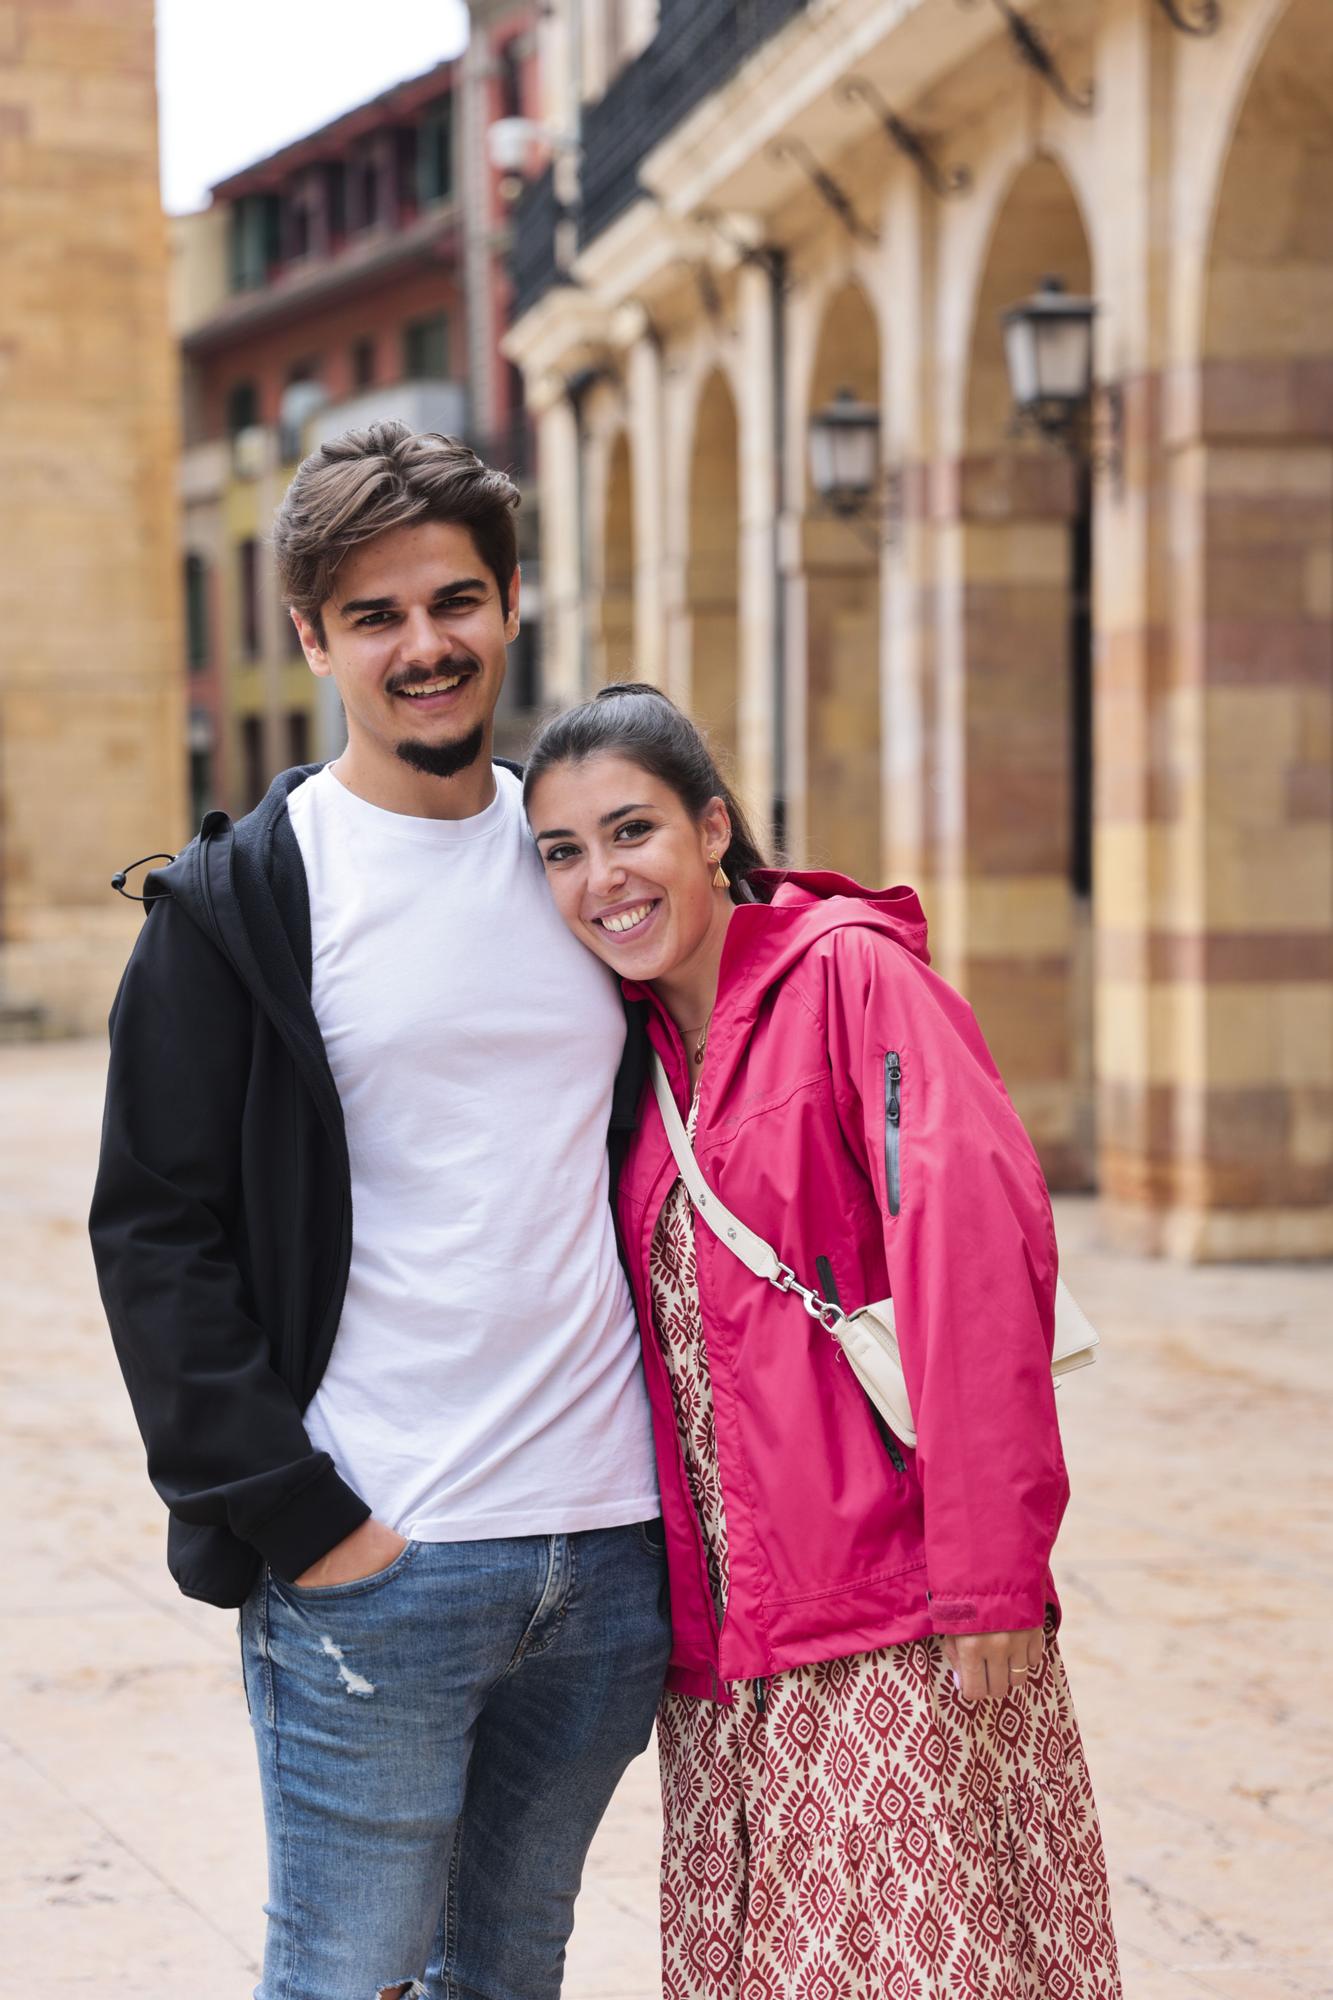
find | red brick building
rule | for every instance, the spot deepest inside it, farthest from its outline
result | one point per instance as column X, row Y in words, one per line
column 329, row 285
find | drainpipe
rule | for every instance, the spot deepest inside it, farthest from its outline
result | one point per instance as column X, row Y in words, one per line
column 775, row 262
column 576, row 394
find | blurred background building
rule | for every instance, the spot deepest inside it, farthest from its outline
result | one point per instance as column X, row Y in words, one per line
column 90, row 688
column 937, row 398
column 357, row 274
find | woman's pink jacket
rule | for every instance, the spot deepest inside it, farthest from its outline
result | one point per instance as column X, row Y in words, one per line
column 922, row 1184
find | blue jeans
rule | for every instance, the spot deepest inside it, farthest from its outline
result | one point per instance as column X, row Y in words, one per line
column 437, row 1744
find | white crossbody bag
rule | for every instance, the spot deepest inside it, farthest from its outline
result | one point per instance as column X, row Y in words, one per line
column 867, row 1338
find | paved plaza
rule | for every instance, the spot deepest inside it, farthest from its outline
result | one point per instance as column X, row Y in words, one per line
column 1196, row 1568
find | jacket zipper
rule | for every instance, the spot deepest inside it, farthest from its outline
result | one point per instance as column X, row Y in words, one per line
column 893, row 1076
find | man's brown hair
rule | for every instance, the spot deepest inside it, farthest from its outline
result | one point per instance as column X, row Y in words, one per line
column 360, row 484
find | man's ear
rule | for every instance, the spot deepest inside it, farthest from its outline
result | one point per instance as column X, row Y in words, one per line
column 316, row 653
column 512, row 620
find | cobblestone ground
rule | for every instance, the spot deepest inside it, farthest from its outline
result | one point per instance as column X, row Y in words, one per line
column 1196, row 1569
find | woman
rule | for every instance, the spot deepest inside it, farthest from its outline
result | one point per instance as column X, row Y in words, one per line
column 873, row 1783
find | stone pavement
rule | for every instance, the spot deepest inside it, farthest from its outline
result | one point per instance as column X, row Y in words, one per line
column 1196, row 1569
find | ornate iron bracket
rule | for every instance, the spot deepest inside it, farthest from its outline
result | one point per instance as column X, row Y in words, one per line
column 762, row 254
column 1207, row 16
column 860, row 90
column 825, row 186
column 1032, row 48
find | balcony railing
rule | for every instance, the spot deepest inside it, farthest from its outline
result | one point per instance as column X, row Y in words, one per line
column 699, row 45
column 532, row 251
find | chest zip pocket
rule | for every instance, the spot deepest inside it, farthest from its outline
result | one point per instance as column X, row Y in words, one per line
column 893, row 1112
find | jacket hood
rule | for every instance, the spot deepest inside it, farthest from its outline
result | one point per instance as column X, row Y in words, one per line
column 766, row 939
column 822, row 901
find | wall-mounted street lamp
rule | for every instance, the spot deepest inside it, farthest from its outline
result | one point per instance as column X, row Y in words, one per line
column 845, row 470
column 844, row 454
column 1048, row 347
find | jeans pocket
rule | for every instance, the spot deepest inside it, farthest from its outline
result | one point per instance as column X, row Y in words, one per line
column 359, row 1586
column 653, row 1536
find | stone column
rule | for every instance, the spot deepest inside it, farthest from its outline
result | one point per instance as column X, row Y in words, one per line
column 562, row 581
column 643, row 372
column 759, row 488
column 92, row 735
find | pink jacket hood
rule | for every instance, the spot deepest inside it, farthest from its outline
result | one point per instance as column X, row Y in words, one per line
column 849, row 1110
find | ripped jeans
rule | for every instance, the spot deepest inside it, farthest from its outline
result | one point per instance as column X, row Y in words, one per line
column 437, row 1744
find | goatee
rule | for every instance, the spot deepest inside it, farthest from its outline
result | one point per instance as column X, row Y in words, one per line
column 444, row 760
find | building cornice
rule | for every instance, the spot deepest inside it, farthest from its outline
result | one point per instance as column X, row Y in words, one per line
column 433, row 238
column 718, row 156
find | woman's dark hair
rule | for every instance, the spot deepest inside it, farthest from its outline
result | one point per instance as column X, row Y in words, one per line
column 633, row 720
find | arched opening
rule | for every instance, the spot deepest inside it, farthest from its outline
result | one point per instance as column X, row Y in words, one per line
column 842, row 575
column 614, row 658
column 712, row 579
column 1018, row 853
column 1254, row 656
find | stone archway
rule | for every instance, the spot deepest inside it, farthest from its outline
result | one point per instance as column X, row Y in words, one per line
column 1252, row 793
column 712, row 568
column 613, row 658
column 1016, row 847
column 842, row 596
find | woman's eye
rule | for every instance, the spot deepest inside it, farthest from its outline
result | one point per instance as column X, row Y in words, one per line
column 559, row 853
column 634, row 828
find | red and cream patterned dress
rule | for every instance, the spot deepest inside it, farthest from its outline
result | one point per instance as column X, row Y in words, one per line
column 855, row 1830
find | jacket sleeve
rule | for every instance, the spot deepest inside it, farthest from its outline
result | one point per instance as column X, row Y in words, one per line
column 971, row 1258
column 225, row 1440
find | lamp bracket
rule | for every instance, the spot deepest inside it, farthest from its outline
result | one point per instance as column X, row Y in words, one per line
column 765, row 255
column 1206, row 18
column 1032, row 48
column 825, row 187
column 860, row 90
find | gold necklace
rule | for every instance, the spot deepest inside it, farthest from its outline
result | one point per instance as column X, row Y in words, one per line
column 703, row 1041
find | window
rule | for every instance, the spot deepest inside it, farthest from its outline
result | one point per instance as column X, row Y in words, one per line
column 426, row 349
column 435, row 166
column 196, row 612
column 511, row 77
column 242, row 407
column 254, row 771
column 363, row 361
column 256, row 225
column 298, row 736
column 248, row 570
column 364, row 193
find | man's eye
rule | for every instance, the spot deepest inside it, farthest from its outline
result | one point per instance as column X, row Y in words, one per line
column 635, row 828
column 373, row 618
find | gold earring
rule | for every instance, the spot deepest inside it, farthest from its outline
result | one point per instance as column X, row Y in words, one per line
column 719, row 878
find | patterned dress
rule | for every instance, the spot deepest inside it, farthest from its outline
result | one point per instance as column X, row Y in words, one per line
column 855, row 1830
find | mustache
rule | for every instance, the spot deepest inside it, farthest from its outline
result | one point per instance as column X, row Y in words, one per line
column 460, row 663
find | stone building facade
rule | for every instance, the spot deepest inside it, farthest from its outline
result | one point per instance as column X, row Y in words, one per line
column 703, row 268
column 91, row 730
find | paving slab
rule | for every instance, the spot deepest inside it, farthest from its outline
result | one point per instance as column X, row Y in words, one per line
column 1196, row 1569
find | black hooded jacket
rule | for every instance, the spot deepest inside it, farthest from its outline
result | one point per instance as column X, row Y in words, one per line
column 222, row 1215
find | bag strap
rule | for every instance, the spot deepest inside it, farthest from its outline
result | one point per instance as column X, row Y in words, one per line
column 756, row 1255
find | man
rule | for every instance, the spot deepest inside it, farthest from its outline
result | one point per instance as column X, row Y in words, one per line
column 354, row 1241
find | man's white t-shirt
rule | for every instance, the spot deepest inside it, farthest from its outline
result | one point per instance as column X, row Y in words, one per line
column 486, row 1378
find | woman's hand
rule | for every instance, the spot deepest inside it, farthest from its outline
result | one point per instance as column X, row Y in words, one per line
column 989, row 1665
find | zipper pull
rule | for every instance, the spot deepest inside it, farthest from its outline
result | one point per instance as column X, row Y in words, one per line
column 893, row 1076
column 761, row 1696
